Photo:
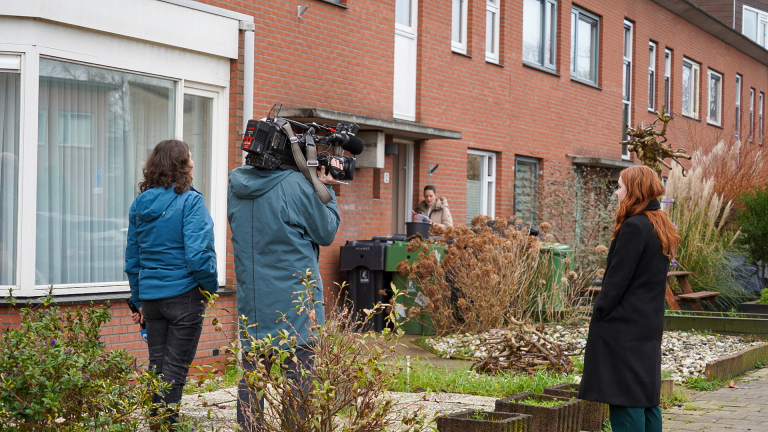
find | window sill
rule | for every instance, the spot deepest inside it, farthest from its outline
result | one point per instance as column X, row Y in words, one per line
column 461, row 53
column 717, row 125
column 688, row 116
column 494, row 63
column 343, row 6
column 586, row 83
column 74, row 299
column 651, row 110
column 540, row 68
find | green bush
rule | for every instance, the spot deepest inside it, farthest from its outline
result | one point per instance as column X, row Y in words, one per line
column 754, row 224
column 55, row 374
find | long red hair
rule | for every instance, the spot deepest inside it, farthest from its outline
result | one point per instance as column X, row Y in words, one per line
column 643, row 185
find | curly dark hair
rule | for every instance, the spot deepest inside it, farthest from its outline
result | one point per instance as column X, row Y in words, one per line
column 168, row 165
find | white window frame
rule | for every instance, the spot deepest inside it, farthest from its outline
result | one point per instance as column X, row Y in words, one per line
column 548, row 34
column 537, row 162
column 692, row 110
column 668, row 80
column 579, row 14
column 761, row 26
column 183, row 67
column 487, row 179
column 652, row 76
column 459, row 46
column 626, row 84
column 716, row 97
column 492, row 53
column 751, row 114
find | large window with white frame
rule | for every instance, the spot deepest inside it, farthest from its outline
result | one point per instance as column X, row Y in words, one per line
column 492, row 30
column 737, row 109
column 715, row 97
column 626, row 86
column 89, row 116
column 651, row 76
column 754, row 25
column 540, row 33
column 526, row 188
column 585, row 28
column 691, row 77
column 10, row 123
column 668, row 80
column 459, row 26
column 481, row 184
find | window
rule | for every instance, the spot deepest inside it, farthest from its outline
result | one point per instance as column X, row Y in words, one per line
column 492, row 20
column 715, row 97
column 760, row 116
column 459, row 26
column 584, row 45
column 540, row 32
column 10, row 115
column 668, row 80
column 626, row 86
column 105, row 123
column 403, row 13
column 651, row 76
column 754, row 25
column 481, row 184
column 737, row 110
column 526, row 188
column 751, row 114
column 690, row 88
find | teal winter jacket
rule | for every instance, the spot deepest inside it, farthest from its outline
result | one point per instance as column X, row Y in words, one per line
column 277, row 224
column 170, row 247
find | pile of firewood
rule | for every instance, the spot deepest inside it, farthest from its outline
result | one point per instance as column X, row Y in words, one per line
column 526, row 349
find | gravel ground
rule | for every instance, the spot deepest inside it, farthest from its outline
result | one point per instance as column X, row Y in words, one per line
column 684, row 354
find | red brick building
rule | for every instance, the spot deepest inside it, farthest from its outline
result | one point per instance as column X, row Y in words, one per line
column 484, row 99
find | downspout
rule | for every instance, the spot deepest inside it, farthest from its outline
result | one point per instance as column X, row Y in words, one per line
column 248, row 71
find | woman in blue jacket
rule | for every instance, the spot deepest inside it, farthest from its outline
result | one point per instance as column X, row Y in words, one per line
column 170, row 259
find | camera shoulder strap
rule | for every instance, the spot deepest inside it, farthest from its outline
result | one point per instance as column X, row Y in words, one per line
column 306, row 166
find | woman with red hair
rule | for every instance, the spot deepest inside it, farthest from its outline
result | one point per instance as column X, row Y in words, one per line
column 622, row 360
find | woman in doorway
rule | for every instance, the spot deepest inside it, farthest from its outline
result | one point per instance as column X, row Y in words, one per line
column 622, row 360
column 170, row 260
column 434, row 208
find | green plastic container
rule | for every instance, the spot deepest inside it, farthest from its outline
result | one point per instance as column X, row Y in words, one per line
column 420, row 324
column 561, row 257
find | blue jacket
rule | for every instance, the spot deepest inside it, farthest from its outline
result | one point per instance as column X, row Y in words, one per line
column 170, row 245
column 277, row 223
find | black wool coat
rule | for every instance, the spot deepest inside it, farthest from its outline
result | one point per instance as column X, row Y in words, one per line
column 622, row 359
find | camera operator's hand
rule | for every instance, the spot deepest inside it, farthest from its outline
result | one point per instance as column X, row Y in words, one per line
column 327, row 178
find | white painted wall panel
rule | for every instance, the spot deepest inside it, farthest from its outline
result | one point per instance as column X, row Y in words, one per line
column 148, row 20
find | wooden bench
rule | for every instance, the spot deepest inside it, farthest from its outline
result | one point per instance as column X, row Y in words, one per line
column 687, row 296
column 674, row 300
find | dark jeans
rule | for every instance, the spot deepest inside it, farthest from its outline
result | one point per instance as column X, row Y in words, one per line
column 173, row 330
column 625, row 419
column 251, row 422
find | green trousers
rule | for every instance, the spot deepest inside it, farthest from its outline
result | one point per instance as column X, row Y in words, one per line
column 625, row 419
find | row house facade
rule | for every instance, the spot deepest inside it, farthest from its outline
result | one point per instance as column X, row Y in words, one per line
column 482, row 98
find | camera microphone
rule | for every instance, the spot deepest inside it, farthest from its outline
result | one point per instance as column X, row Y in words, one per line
column 353, row 145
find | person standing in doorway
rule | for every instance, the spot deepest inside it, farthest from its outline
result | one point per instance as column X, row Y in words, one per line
column 170, row 260
column 434, row 208
column 622, row 359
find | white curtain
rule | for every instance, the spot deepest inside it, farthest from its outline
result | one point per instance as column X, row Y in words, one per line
column 198, row 134
column 97, row 127
column 9, row 174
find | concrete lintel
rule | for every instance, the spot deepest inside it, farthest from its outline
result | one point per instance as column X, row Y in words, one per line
column 397, row 128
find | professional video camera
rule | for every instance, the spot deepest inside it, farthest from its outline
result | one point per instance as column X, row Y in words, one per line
column 268, row 143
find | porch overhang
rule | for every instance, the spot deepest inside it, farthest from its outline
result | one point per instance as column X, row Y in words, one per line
column 396, row 128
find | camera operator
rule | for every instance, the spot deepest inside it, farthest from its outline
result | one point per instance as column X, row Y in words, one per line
column 277, row 223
